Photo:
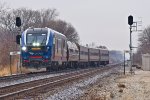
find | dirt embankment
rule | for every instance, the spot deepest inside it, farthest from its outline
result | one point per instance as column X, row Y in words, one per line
column 121, row 87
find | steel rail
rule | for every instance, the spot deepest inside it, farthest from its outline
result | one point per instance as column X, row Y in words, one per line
column 47, row 83
column 5, row 91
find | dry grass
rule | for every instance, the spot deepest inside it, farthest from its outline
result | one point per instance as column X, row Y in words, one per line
column 5, row 70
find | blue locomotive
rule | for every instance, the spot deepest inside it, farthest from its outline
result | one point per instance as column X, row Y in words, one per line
column 45, row 47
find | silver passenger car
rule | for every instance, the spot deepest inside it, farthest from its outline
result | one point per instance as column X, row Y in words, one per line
column 94, row 54
column 83, row 55
column 104, row 56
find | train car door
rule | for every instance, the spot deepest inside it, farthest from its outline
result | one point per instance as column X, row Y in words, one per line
column 54, row 47
column 64, row 50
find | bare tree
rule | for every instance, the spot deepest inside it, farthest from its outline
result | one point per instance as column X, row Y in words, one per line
column 65, row 28
column 30, row 18
column 37, row 18
column 144, row 40
column 7, row 44
column 144, row 45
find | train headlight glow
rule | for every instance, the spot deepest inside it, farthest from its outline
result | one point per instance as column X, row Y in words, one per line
column 36, row 44
column 24, row 48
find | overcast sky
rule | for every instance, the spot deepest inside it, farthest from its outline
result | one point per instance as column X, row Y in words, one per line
column 103, row 22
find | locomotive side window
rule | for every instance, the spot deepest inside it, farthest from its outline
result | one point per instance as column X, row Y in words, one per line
column 62, row 47
column 63, row 43
column 56, row 44
column 59, row 44
column 54, row 40
column 54, row 47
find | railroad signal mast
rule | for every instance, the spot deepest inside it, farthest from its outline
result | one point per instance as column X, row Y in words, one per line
column 18, row 21
column 131, row 22
column 18, row 41
column 18, row 38
column 18, row 24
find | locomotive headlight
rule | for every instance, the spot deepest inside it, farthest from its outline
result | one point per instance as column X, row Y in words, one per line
column 24, row 48
column 34, row 44
column 37, row 44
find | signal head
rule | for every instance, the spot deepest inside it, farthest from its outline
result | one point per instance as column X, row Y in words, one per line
column 130, row 20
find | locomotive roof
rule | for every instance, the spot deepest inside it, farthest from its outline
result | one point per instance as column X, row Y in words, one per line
column 43, row 30
column 37, row 30
column 58, row 33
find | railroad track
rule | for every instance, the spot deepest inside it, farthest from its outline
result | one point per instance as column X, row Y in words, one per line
column 21, row 76
column 35, row 74
column 35, row 87
column 31, row 75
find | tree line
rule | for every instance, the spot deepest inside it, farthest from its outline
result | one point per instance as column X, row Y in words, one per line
column 143, row 45
column 30, row 18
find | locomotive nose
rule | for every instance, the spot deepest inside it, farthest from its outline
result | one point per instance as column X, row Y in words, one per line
column 37, row 55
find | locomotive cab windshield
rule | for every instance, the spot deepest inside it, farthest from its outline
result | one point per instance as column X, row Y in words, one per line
column 36, row 39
